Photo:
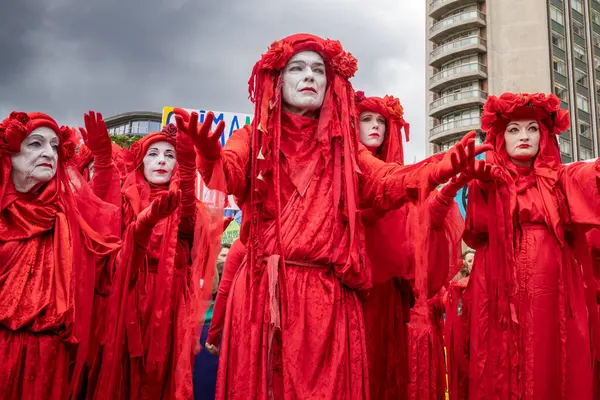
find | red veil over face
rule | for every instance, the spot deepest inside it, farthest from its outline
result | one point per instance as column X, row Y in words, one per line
column 85, row 157
column 84, row 231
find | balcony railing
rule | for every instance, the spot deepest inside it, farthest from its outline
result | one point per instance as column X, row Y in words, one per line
column 448, row 47
column 458, row 70
column 454, row 97
column 459, row 123
column 462, row 17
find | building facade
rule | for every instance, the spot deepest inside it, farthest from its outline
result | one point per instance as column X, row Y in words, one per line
column 478, row 48
column 134, row 123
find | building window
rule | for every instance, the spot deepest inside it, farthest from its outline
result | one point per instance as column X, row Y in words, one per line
column 154, row 126
column 596, row 62
column 558, row 40
column 561, row 92
column 596, row 17
column 581, row 77
column 556, row 15
column 559, row 66
column 446, row 146
column 579, row 52
column 578, row 29
column 577, row 6
column 565, row 146
column 596, row 38
column 584, row 129
column 585, row 153
column 583, row 104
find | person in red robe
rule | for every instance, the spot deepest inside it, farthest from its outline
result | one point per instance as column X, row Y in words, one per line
column 53, row 233
column 293, row 325
column 391, row 250
column 156, row 301
column 525, row 305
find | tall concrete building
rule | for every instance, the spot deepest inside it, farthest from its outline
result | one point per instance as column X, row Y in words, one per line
column 478, row 48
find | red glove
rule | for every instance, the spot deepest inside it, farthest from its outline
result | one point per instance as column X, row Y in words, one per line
column 95, row 135
column 458, row 158
column 186, row 163
column 206, row 142
column 442, row 201
column 482, row 171
column 160, row 208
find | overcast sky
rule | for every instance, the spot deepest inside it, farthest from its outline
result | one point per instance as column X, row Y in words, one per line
column 65, row 57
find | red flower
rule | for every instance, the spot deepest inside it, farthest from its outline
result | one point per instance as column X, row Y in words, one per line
column 13, row 135
column 333, row 48
column 345, row 65
column 562, row 120
column 67, row 144
column 19, row 116
column 169, row 130
column 359, row 96
column 277, row 55
column 395, row 110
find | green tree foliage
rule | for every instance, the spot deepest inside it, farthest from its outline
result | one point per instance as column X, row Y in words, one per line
column 125, row 141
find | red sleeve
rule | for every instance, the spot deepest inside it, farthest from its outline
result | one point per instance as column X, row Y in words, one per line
column 232, row 264
column 229, row 172
column 580, row 183
column 476, row 222
column 387, row 186
column 106, row 183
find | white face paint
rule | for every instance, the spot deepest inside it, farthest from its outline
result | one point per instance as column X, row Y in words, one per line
column 159, row 162
column 304, row 83
column 36, row 163
column 91, row 169
column 522, row 141
column 372, row 129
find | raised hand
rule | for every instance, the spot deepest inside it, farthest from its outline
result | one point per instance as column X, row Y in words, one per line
column 454, row 185
column 95, row 135
column 212, row 349
column 482, row 171
column 458, row 158
column 206, row 142
column 160, row 208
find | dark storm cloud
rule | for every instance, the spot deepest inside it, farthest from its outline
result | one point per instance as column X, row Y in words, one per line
column 65, row 57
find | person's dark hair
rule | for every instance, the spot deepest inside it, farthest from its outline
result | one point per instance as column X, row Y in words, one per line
column 469, row 251
column 226, row 245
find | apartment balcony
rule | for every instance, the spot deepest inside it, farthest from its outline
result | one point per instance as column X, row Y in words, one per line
column 456, row 75
column 456, row 101
column 437, row 8
column 456, row 49
column 455, row 24
column 454, row 129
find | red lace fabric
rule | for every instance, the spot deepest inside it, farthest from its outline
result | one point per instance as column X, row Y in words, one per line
column 525, row 305
column 156, row 301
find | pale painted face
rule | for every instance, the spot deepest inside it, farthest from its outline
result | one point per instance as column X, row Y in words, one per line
column 91, row 169
column 36, row 163
column 304, row 83
column 522, row 141
column 159, row 163
column 372, row 129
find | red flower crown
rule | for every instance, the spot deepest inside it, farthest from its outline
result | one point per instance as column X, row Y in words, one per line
column 546, row 108
column 18, row 125
column 391, row 105
column 280, row 51
column 137, row 151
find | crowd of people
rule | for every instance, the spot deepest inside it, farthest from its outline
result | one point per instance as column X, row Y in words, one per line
column 348, row 280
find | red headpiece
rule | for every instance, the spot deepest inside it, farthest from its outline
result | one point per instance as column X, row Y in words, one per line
column 138, row 149
column 544, row 108
column 390, row 107
column 18, row 125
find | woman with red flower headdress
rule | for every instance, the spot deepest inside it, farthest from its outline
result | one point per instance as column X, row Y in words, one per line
column 293, row 325
column 156, row 299
column 53, row 234
column 525, row 305
column 393, row 243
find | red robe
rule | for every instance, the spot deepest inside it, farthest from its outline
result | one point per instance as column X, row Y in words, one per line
column 49, row 253
column 150, row 351
column 455, row 332
column 234, row 259
column 297, row 331
column 543, row 351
